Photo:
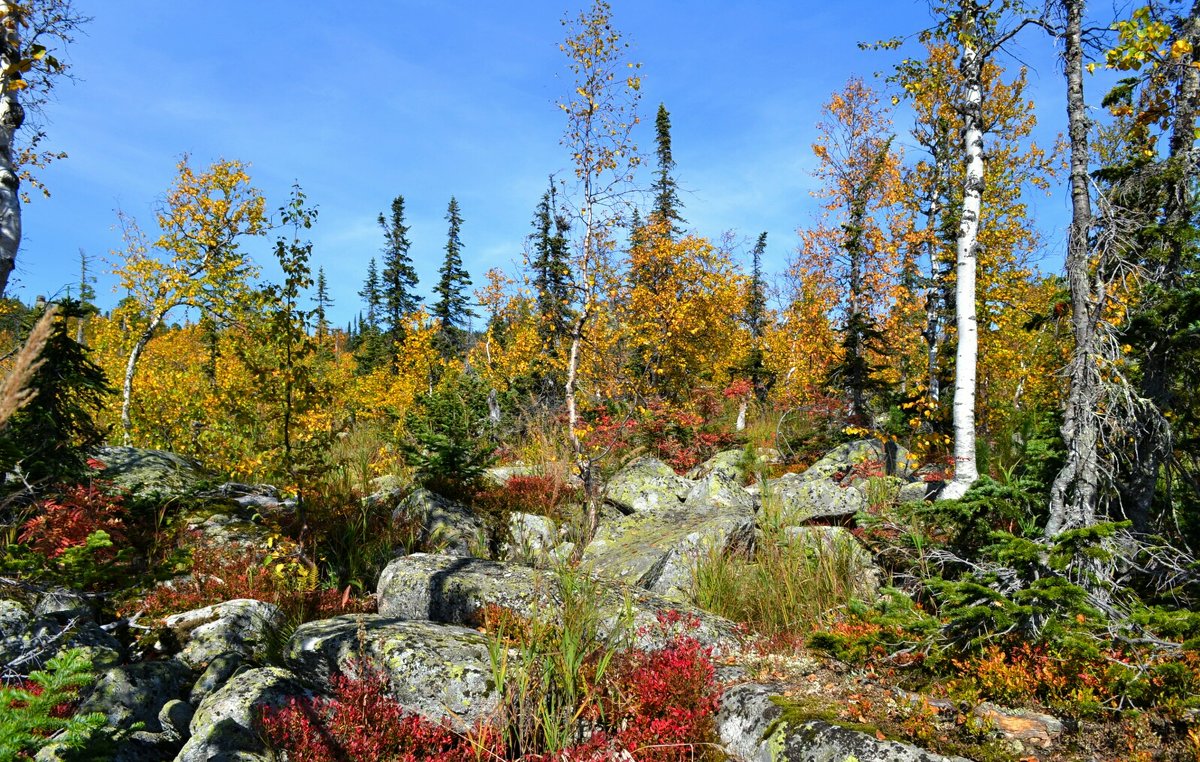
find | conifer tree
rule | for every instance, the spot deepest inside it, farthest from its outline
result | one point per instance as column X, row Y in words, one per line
column 551, row 272
column 323, row 303
column 666, row 192
column 756, row 317
column 368, row 343
column 452, row 309
column 399, row 278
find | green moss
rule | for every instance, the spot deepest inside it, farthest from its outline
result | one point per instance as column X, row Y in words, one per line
column 796, row 712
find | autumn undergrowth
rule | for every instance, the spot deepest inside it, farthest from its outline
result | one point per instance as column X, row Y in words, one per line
column 786, row 585
column 571, row 688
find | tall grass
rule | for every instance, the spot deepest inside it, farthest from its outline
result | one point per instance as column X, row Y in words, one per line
column 550, row 667
column 786, row 584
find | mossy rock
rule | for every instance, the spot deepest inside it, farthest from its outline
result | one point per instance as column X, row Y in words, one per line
column 150, row 473
column 646, row 485
column 225, row 726
column 456, row 590
column 440, row 671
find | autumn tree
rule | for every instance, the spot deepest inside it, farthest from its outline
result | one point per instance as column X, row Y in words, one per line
column 395, row 292
column 601, row 113
column 29, row 71
column 853, row 241
column 196, row 261
column 980, row 28
column 1153, row 180
column 452, row 310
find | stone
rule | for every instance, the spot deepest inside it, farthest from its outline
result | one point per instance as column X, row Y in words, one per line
column 224, row 725
column 499, row 475
column 718, row 489
column 441, row 671
column 802, row 499
column 148, row 473
column 1022, row 726
column 135, row 693
column 456, row 590
column 728, row 463
column 893, row 459
column 658, row 550
column 532, row 538
column 646, row 485
column 751, row 726
column 915, row 492
column 242, row 626
column 218, row 672
column 443, row 523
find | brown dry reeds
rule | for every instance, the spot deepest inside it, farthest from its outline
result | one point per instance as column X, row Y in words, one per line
column 16, row 391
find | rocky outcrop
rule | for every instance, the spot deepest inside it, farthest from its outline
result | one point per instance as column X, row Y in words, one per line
column 149, row 473
column 754, row 728
column 671, row 521
column 135, row 693
column 802, row 498
column 646, row 485
column 225, row 724
column 456, row 590
column 242, row 626
column 440, row 522
column 437, row 670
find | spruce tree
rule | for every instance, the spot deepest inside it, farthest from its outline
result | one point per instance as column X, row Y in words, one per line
column 756, row 316
column 399, row 278
column 368, row 341
column 452, row 309
column 551, row 272
column 323, row 303
column 666, row 191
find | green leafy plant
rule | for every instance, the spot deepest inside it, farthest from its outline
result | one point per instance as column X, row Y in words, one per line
column 43, row 707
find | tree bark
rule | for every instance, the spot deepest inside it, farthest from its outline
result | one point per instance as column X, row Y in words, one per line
column 1073, row 496
column 12, row 116
column 966, row 354
column 130, row 369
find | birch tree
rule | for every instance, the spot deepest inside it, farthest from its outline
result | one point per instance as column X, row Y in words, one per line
column 601, row 114
column 977, row 26
column 195, row 262
column 28, row 71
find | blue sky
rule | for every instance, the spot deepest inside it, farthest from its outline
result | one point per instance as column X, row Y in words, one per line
column 430, row 99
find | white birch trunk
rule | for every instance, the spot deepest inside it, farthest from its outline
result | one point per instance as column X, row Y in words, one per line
column 11, row 118
column 130, row 369
column 966, row 355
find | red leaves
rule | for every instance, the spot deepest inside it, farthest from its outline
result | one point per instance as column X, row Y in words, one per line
column 361, row 723
column 658, row 706
column 65, row 521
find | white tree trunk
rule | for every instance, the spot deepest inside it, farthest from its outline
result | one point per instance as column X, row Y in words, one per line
column 130, row 369
column 11, row 118
column 741, row 419
column 971, row 65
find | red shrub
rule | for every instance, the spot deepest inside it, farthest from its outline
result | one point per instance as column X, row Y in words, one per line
column 361, row 723
column 224, row 575
column 543, row 494
column 66, row 520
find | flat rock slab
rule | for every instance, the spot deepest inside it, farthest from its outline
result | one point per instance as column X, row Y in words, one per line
column 456, row 590
column 751, row 729
column 658, row 550
column 437, row 670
